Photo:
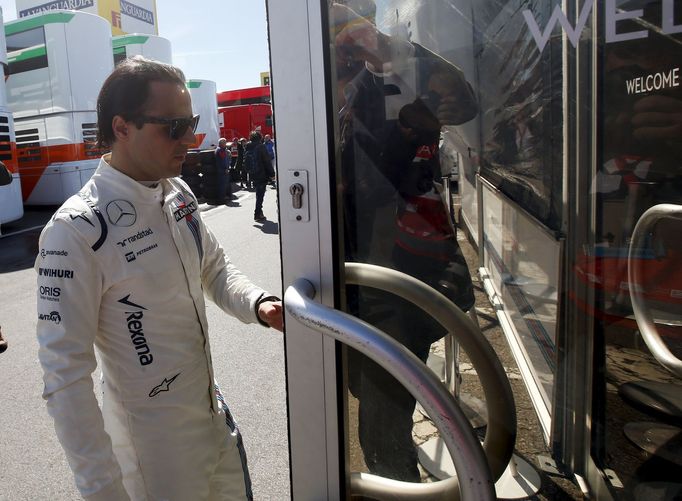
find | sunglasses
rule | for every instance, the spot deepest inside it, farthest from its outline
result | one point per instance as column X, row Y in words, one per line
column 177, row 127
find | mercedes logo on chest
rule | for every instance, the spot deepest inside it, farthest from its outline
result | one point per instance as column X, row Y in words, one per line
column 121, row 213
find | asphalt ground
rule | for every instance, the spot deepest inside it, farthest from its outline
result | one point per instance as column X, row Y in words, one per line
column 248, row 361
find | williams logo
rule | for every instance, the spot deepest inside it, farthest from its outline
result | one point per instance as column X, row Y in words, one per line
column 121, row 213
column 55, row 273
column 185, row 211
column 53, row 316
column 164, row 386
column 134, row 323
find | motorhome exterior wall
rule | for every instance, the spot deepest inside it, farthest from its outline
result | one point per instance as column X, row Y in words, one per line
column 204, row 104
column 149, row 46
column 123, row 16
column 11, row 207
column 58, row 62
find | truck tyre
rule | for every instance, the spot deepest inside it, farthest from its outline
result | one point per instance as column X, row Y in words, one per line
column 192, row 158
column 207, row 156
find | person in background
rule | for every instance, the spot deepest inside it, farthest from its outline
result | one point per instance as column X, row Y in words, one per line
column 222, row 163
column 239, row 167
column 270, row 146
column 259, row 168
column 126, row 265
column 3, row 342
column 236, row 175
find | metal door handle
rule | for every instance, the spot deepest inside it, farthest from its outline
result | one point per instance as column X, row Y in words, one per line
column 474, row 479
column 643, row 316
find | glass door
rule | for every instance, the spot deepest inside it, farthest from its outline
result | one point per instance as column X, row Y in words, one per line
column 361, row 111
column 562, row 119
column 632, row 264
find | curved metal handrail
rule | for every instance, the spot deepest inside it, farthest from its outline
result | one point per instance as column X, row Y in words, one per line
column 501, row 433
column 501, row 430
column 643, row 316
column 475, row 480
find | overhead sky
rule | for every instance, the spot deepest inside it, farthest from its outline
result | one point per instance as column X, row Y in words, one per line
column 220, row 40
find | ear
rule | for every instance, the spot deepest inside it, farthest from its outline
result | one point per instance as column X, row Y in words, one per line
column 120, row 128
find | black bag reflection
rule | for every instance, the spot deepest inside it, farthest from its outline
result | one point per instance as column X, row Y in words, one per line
column 394, row 97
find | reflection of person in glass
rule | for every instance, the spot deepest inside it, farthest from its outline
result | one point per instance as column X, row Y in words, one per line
column 394, row 96
column 641, row 152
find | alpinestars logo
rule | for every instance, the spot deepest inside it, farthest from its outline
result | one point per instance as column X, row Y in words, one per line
column 134, row 323
column 76, row 214
column 53, row 316
column 164, row 386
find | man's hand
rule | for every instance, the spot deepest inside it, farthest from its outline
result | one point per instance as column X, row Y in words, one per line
column 270, row 312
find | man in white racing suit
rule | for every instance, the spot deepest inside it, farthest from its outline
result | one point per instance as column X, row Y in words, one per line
column 123, row 266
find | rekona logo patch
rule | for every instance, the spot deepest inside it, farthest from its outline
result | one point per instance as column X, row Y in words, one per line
column 133, row 321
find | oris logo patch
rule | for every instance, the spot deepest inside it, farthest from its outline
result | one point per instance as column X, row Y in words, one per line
column 50, row 293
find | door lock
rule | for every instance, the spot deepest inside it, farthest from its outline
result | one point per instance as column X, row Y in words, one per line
column 297, row 182
column 296, row 191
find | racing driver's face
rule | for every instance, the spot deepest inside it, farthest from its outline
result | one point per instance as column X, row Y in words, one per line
column 157, row 149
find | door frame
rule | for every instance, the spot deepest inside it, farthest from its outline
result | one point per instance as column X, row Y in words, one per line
column 297, row 62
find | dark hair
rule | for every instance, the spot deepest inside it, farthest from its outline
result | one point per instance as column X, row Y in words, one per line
column 255, row 136
column 126, row 90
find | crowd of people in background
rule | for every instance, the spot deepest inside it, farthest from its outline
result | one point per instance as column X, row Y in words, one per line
column 248, row 165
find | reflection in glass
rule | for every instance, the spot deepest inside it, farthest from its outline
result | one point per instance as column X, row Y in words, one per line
column 394, row 96
column 639, row 166
column 421, row 85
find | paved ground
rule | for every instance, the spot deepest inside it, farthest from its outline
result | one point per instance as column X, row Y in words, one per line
column 248, row 360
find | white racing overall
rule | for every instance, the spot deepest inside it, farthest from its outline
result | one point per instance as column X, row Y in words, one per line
column 124, row 268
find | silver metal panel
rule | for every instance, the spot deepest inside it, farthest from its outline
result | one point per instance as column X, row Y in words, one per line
column 297, row 69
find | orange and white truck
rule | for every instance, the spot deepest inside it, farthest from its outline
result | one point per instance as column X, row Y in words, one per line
column 58, row 61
